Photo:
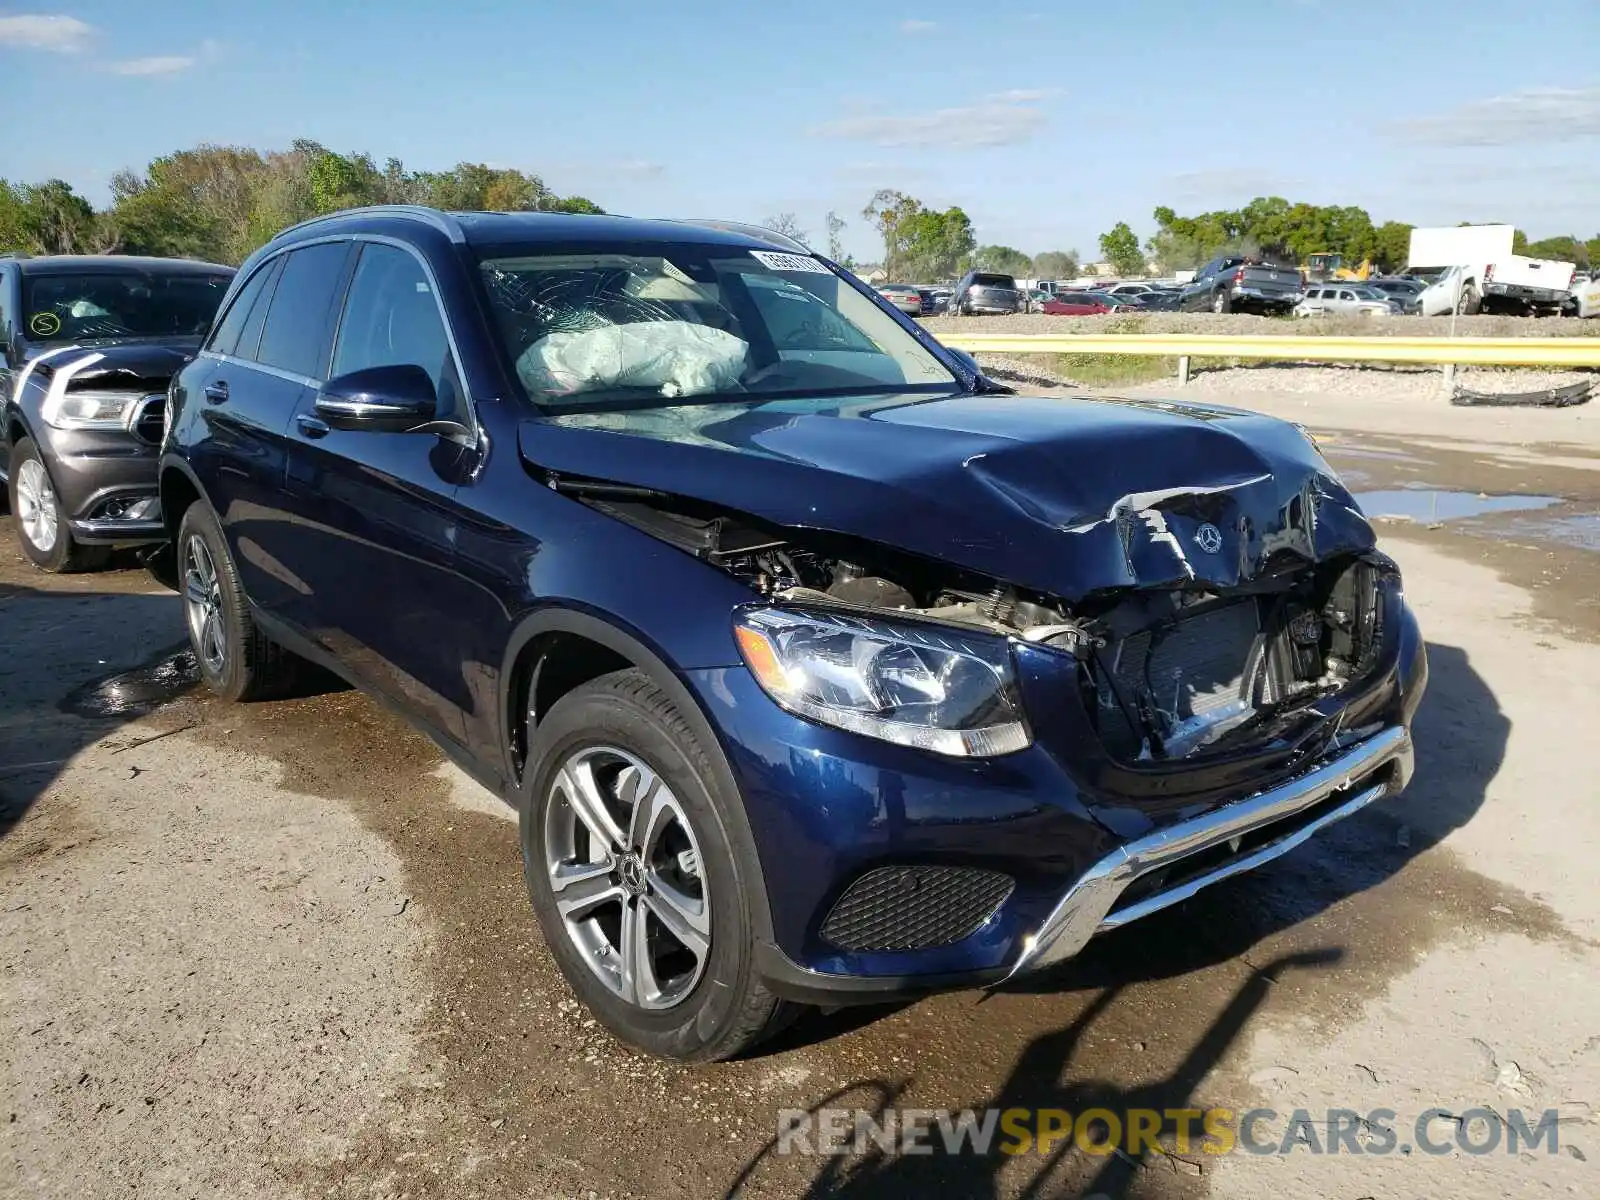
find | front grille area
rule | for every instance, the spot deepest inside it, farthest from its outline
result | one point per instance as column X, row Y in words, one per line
column 1191, row 672
column 147, row 421
column 915, row 907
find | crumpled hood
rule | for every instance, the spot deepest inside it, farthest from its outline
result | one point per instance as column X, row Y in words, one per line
column 1065, row 496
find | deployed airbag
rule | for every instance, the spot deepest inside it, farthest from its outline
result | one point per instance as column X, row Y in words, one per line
column 676, row 358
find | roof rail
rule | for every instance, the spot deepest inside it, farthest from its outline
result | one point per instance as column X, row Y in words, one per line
column 771, row 236
column 417, row 212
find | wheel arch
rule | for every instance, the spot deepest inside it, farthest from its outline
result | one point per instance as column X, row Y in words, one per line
column 178, row 488
column 576, row 646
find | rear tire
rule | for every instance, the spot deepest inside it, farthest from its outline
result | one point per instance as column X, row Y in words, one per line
column 237, row 661
column 41, row 521
column 1469, row 304
column 621, row 806
column 1221, row 303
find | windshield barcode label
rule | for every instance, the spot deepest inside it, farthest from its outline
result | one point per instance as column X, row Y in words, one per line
column 789, row 262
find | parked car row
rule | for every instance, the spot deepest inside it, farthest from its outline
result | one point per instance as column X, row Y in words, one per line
column 874, row 729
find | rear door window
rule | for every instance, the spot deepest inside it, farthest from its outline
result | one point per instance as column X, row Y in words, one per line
column 299, row 323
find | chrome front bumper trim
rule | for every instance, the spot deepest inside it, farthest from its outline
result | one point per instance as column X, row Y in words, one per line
column 1086, row 908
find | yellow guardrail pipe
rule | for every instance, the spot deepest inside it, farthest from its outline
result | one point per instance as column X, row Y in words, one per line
column 1485, row 352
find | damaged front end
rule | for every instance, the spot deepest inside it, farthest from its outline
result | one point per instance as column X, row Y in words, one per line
column 1160, row 701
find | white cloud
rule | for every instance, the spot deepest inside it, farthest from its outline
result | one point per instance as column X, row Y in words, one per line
column 993, row 121
column 913, row 25
column 157, row 64
column 63, row 35
column 1534, row 115
column 1023, row 95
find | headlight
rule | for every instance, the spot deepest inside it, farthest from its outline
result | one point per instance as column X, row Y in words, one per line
column 915, row 686
column 90, row 410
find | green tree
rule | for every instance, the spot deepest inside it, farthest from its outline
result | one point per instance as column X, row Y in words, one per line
column 891, row 214
column 572, row 204
column 56, row 220
column 1002, row 259
column 1391, row 245
column 1565, row 248
column 937, row 244
column 1056, row 264
column 1120, row 247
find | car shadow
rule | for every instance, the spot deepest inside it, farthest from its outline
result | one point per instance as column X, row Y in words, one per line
column 1461, row 736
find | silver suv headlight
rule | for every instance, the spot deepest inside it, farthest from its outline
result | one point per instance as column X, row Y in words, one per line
column 90, row 410
column 919, row 686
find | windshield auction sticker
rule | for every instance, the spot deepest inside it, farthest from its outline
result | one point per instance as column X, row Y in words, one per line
column 789, row 262
column 44, row 324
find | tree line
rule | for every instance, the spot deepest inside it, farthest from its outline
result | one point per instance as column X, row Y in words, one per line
column 219, row 203
column 924, row 244
column 1291, row 230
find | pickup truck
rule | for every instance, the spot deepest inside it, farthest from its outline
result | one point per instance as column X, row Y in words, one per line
column 1238, row 284
column 1513, row 284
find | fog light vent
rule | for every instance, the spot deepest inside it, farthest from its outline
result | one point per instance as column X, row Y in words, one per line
column 914, row 907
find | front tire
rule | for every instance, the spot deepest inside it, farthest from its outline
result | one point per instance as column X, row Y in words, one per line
column 635, row 879
column 237, row 661
column 41, row 521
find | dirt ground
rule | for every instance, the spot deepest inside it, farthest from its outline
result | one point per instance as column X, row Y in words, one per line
column 284, row 950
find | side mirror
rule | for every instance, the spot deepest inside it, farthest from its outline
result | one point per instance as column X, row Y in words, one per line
column 389, row 399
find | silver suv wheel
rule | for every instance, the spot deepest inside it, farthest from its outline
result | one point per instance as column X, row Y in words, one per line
column 36, row 506
column 626, row 874
column 202, row 604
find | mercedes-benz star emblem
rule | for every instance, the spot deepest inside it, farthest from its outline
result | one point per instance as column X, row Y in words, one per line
column 1208, row 537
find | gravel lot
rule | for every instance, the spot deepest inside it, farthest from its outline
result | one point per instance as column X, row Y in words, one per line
column 283, row 950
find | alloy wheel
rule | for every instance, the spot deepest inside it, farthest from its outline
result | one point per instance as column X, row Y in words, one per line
column 202, row 605
column 627, row 876
column 36, row 506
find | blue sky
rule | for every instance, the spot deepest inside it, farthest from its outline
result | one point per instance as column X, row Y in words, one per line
column 1047, row 122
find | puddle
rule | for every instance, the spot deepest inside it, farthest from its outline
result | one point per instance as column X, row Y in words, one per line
column 137, row 692
column 1336, row 448
column 1582, row 532
column 1432, row 504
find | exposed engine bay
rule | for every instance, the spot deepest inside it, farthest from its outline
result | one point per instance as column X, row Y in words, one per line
column 1165, row 673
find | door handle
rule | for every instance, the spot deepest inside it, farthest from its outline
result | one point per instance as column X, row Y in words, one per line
column 217, row 392
column 312, row 427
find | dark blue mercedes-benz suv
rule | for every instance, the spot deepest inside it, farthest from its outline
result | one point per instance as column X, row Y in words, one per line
column 819, row 667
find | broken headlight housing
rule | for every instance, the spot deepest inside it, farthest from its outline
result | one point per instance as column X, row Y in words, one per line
column 90, row 409
column 913, row 685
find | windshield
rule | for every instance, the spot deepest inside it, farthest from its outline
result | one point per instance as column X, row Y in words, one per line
column 640, row 326
column 121, row 303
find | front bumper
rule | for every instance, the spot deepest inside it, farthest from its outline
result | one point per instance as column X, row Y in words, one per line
column 106, row 481
column 828, row 809
column 1287, row 815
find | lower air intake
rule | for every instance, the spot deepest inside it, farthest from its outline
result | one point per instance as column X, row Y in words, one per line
column 914, row 908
